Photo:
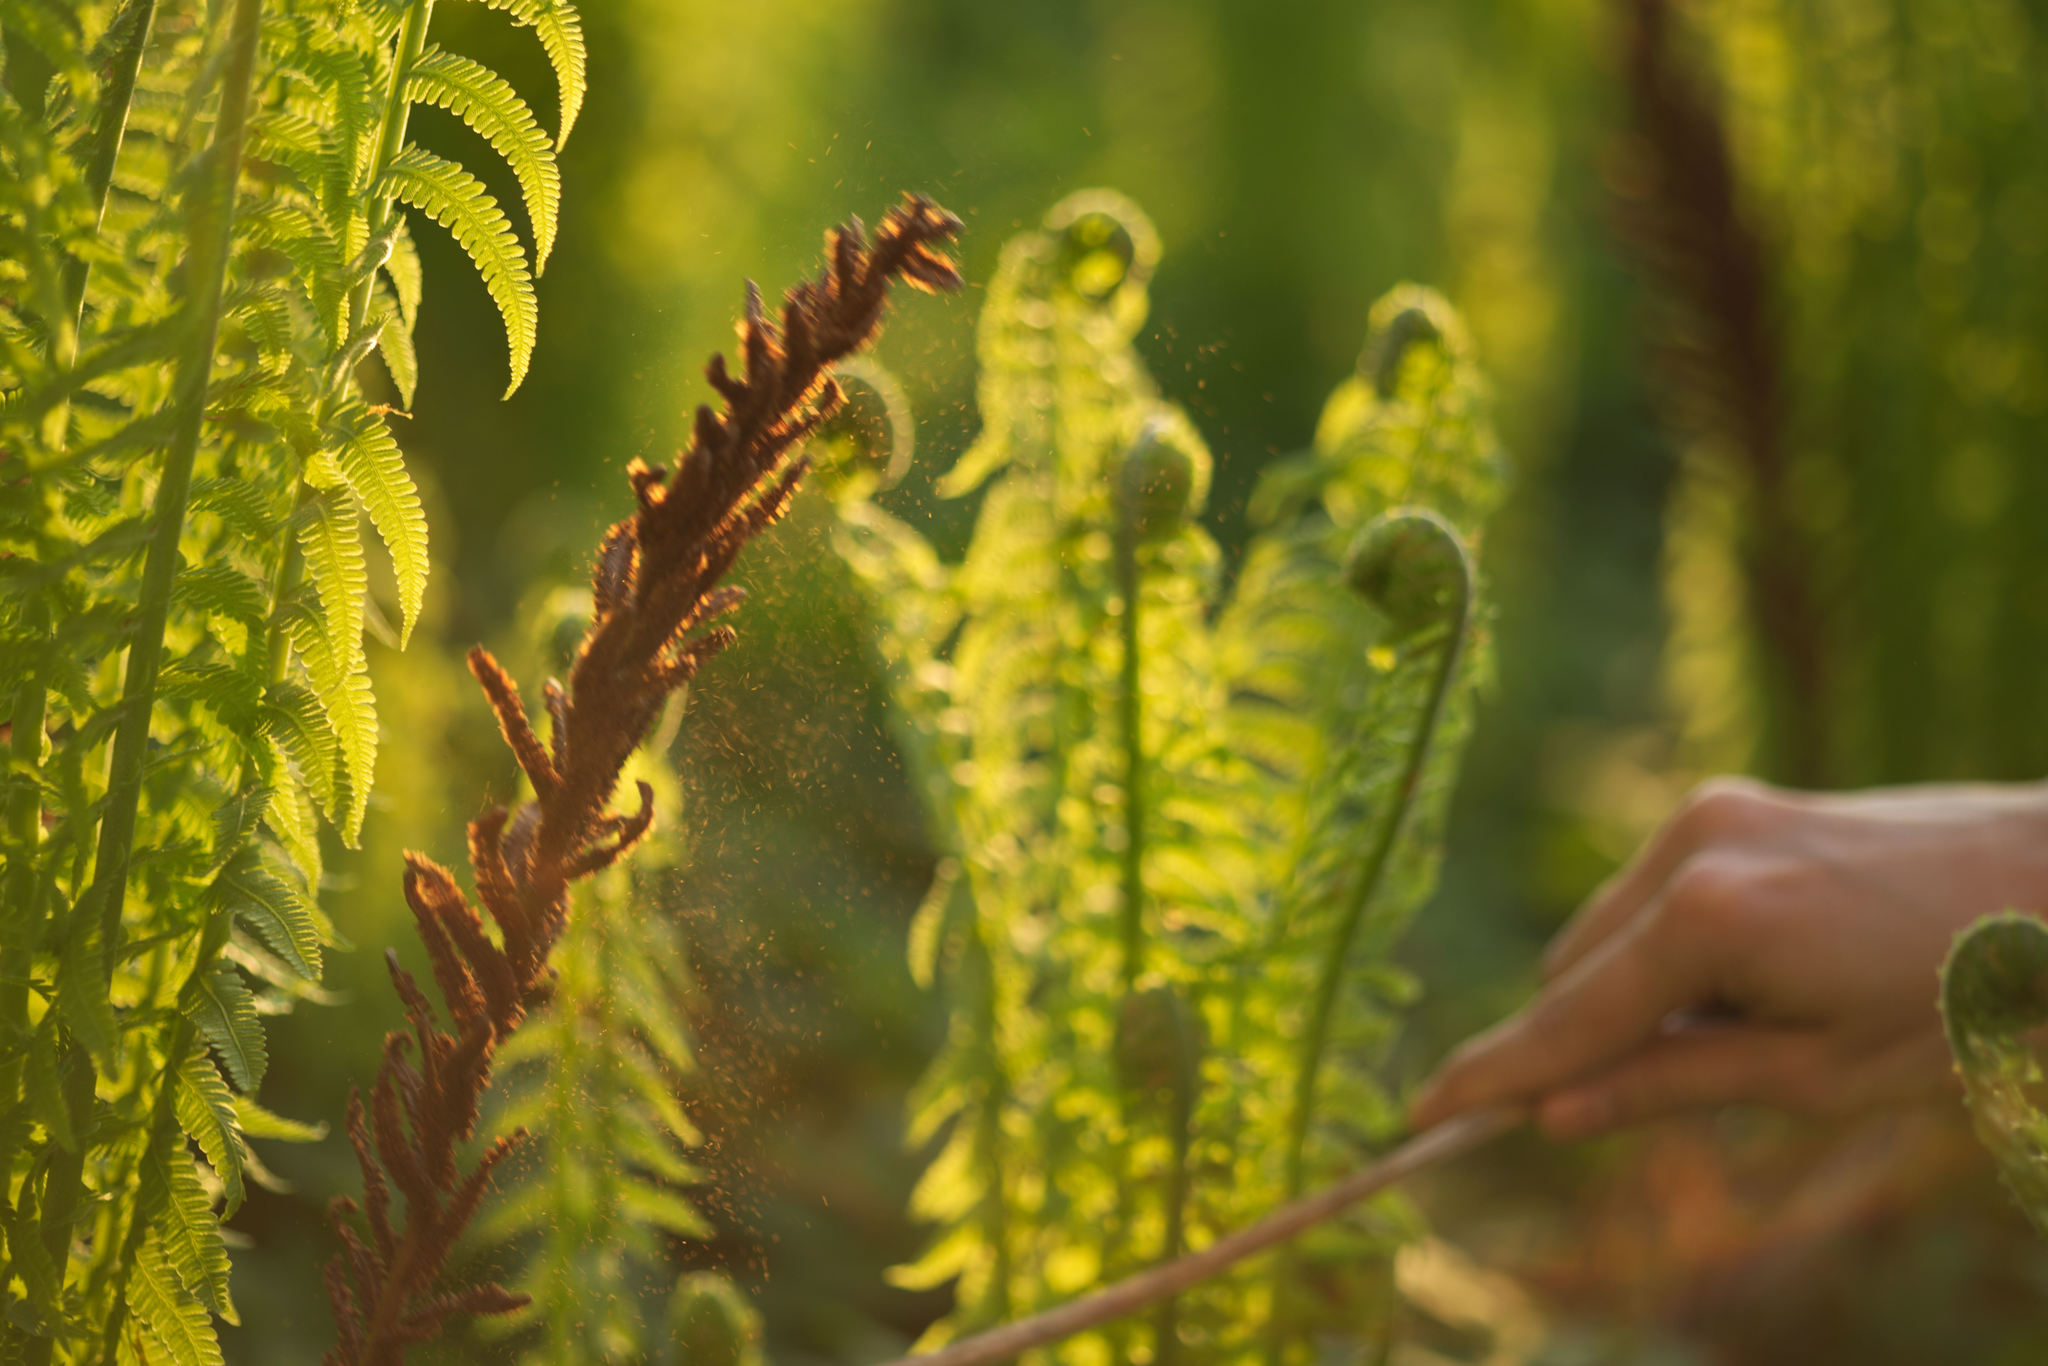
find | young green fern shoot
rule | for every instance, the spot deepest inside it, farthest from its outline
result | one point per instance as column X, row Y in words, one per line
column 1179, row 832
column 655, row 594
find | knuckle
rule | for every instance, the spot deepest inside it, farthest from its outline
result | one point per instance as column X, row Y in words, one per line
column 1720, row 807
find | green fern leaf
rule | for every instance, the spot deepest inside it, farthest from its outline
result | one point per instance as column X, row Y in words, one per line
column 190, row 1235
column 257, row 1122
column 293, row 815
column 402, row 268
column 29, row 1259
column 401, row 361
column 330, row 642
column 234, row 820
column 232, row 694
column 375, row 470
column 221, row 589
column 309, row 243
column 458, row 201
column 658, row 1207
column 487, row 103
column 221, row 1008
column 206, row 1112
column 352, row 111
column 267, row 904
column 294, row 717
column 350, row 712
column 561, row 37
column 240, row 504
column 175, row 1322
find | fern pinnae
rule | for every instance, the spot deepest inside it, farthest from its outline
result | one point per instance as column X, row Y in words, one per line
column 561, row 37
column 457, row 201
column 176, row 1323
column 487, row 103
column 370, row 461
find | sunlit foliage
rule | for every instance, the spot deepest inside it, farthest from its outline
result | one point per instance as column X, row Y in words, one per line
column 204, row 246
column 1182, row 826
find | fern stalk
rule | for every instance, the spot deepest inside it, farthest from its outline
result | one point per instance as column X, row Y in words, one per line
column 412, row 41
column 1130, row 713
column 1315, row 1040
column 210, row 217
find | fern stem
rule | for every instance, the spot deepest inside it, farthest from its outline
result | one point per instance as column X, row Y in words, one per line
column 1130, row 715
column 1315, row 1040
column 412, row 41
column 210, row 217
column 988, row 1132
column 1166, row 1319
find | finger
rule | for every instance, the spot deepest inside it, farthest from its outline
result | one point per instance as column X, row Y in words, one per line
column 1610, row 1003
column 1693, row 1069
column 1723, row 810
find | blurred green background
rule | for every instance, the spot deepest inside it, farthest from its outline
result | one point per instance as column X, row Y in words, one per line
column 1299, row 157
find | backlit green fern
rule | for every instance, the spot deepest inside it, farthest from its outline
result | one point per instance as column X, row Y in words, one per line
column 1182, row 827
column 201, row 244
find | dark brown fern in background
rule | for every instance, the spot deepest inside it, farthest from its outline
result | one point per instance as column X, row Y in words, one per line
column 1679, row 210
column 656, row 592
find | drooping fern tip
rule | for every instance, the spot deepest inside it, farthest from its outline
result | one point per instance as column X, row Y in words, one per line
column 655, row 594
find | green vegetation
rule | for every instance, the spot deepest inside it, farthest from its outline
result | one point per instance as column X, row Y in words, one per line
column 1182, row 828
column 266, row 269
column 205, row 247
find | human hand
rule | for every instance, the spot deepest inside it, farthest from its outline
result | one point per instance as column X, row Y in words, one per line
column 1765, row 945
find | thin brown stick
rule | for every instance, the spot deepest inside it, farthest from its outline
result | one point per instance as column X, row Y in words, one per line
column 656, row 590
column 1453, row 1138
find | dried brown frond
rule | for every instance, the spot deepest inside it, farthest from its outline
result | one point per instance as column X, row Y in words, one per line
column 1678, row 207
column 656, row 588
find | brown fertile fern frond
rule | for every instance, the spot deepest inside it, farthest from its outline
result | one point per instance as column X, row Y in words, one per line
column 656, row 589
column 1678, row 206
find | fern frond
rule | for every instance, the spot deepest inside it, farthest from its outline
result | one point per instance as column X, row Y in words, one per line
column 176, row 1323
column 221, row 1008
column 487, row 103
column 329, row 641
column 401, row 360
column 402, row 268
column 206, row 1113
column 458, row 201
column 186, row 1231
column 561, row 36
column 370, row 461
column 256, row 896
